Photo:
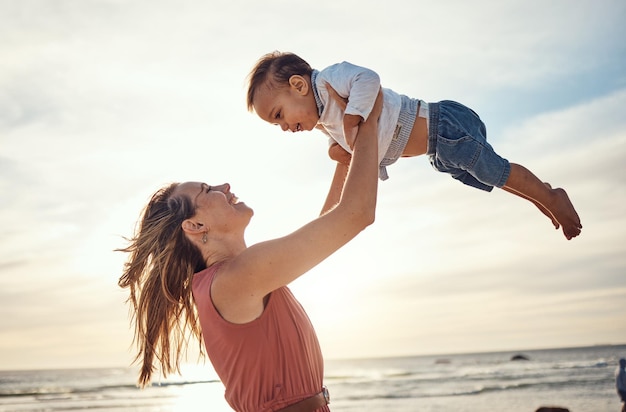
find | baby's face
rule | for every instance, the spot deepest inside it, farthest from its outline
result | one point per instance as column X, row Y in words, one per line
column 287, row 107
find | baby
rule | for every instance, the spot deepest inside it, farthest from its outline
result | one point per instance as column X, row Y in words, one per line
column 285, row 90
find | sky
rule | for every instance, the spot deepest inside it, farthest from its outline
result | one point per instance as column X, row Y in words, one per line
column 102, row 102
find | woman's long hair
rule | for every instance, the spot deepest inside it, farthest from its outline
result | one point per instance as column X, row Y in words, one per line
column 159, row 273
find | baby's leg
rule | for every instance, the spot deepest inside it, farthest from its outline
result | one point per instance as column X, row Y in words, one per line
column 539, row 205
column 554, row 203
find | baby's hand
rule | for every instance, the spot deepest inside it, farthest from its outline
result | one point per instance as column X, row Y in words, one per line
column 351, row 124
column 338, row 154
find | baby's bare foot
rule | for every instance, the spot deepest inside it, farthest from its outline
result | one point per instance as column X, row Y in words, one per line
column 564, row 212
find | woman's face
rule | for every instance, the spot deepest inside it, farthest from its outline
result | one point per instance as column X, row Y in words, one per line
column 216, row 206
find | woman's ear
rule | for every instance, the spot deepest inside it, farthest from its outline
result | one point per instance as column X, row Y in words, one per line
column 299, row 83
column 191, row 227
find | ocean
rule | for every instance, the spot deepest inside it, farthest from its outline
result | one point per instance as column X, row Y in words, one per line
column 580, row 379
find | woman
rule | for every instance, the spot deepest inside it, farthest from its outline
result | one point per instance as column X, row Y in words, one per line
column 190, row 272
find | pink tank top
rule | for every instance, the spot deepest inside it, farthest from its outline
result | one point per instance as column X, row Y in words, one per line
column 268, row 363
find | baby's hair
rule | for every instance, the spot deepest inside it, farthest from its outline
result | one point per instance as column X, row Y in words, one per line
column 277, row 67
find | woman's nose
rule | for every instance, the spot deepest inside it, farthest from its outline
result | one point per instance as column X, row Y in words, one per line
column 224, row 187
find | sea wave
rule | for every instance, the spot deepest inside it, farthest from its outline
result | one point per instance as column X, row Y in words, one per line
column 8, row 391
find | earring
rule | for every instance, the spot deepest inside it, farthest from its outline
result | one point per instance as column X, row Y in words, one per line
column 204, row 238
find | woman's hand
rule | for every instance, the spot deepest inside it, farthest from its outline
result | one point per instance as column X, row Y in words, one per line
column 339, row 154
column 341, row 101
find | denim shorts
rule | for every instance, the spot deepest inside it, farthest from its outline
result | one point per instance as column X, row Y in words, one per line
column 457, row 145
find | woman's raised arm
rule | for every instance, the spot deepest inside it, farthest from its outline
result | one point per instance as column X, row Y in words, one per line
column 245, row 280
